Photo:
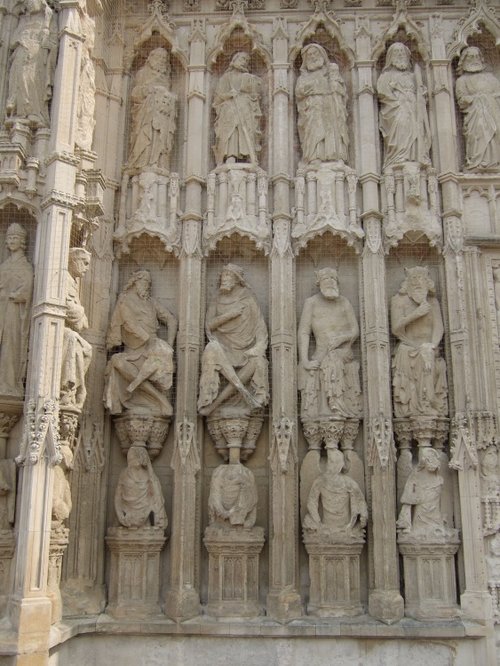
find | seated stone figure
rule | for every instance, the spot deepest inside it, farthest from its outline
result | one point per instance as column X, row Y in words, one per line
column 138, row 499
column 139, row 378
column 233, row 496
column 236, row 349
column 336, row 505
column 421, row 515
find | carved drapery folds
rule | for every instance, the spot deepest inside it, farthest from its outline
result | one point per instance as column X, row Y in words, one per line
column 139, row 378
column 233, row 392
column 150, row 191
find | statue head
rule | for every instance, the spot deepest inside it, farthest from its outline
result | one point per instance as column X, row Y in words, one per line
column 429, row 460
column 240, row 61
column 15, row 237
column 137, row 456
column 78, row 262
column 159, row 61
column 471, row 60
column 335, row 461
column 418, row 283
column 314, row 57
column 141, row 280
column 489, row 462
column 328, row 282
column 398, row 57
column 230, row 276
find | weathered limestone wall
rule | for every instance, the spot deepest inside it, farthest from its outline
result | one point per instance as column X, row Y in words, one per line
column 249, row 331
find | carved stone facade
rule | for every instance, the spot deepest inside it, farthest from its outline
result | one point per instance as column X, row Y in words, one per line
column 250, row 332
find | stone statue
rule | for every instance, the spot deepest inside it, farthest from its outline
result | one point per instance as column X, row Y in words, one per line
column 237, row 108
column 77, row 352
column 404, row 123
column 329, row 380
column 7, row 494
column 16, row 286
column 421, row 513
column 236, row 349
column 86, row 93
column 61, row 496
column 154, row 112
column 233, row 496
column 31, row 66
column 490, row 478
column 140, row 377
column 336, row 504
column 478, row 96
column 321, row 105
column 138, row 498
column 496, row 287
column 419, row 371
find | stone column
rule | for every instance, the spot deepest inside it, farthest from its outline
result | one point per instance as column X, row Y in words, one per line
column 283, row 600
column 183, row 599
column 475, row 599
column 30, row 606
column 385, row 602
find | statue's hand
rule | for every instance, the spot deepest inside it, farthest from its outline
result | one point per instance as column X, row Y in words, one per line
column 311, row 365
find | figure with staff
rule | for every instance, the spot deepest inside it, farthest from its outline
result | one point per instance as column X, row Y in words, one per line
column 404, row 123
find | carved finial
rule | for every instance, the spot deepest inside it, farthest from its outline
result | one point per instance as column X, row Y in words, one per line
column 159, row 8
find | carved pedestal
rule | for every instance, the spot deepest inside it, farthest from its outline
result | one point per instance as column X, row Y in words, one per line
column 6, row 553
column 134, row 583
column 233, row 570
column 59, row 538
column 142, row 430
column 334, row 573
column 429, row 575
column 237, row 202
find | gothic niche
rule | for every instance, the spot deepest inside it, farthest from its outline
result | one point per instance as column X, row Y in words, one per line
column 150, row 189
column 234, row 390
column 325, row 184
column 334, row 510
column 409, row 181
column 237, row 187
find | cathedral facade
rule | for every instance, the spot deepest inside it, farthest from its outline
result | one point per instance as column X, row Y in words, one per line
column 250, row 332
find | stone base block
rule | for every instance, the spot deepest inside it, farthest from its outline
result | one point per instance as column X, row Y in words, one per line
column 134, row 571
column 7, row 544
column 233, row 570
column 430, row 584
column 334, row 573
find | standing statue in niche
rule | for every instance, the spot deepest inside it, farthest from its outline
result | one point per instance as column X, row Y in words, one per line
column 138, row 498
column 321, row 105
column 77, row 352
column 16, row 286
column 478, row 96
column 336, row 505
column 140, row 377
column 419, row 372
column 32, row 62
column 154, row 112
column 329, row 380
column 490, row 478
column 404, row 123
column 86, row 93
column 237, row 108
column 236, row 349
column 421, row 514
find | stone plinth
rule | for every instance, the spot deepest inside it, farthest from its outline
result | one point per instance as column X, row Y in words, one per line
column 233, row 570
column 430, row 583
column 334, row 573
column 134, row 571
column 59, row 538
column 6, row 553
